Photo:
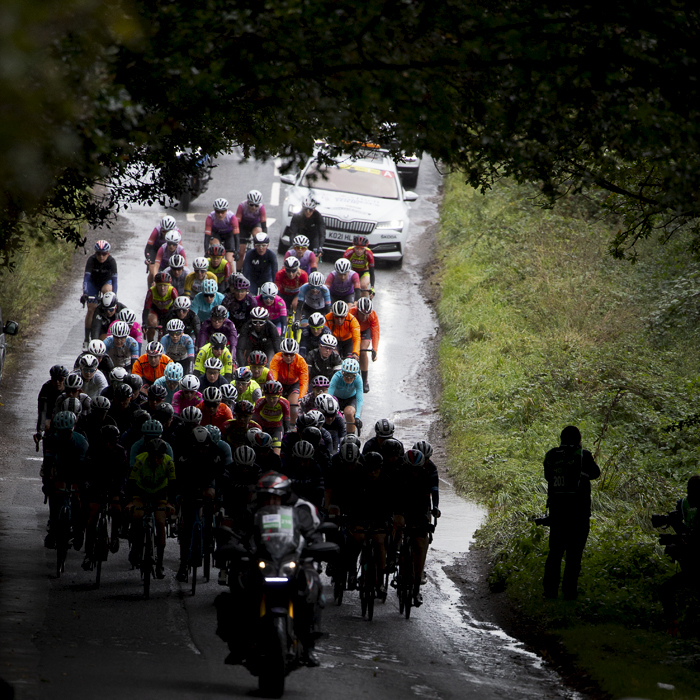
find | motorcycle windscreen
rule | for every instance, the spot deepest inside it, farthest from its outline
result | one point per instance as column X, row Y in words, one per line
column 274, row 529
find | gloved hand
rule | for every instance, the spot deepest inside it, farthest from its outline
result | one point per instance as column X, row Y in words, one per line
column 435, row 512
column 235, row 256
column 374, row 355
column 358, row 423
column 83, row 299
column 318, row 252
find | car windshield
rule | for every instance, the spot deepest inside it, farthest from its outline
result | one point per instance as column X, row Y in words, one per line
column 352, row 178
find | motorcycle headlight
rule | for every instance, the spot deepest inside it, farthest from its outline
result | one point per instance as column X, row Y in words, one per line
column 288, row 569
column 394, row 224
column 293, row 209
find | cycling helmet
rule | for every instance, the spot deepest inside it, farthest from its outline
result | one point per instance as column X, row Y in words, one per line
column 213, row 363
column 301, row 241
column 101, row 403
column 360, row 241
column 305, row 421
column 229, row 393
column 342, row 266
column 216, row 250
column 268, row 290
column 175, row 325
column 244, row 456
column 102, row 246
column 220, row 204
column 328, row 341
column 340, row 309
column 97, row 348
column 182, row 303
column 351, row 437
column 154, row 348
column 158, row 392
column 162, row 278
column 201, row 436
column 109, row 300
column 72, row 405
column 212, row 394
column 237, row 281
column 303, row 450
column 425, row 447
column 243, row 374
column 58, row 372
column 191, row 414
column 219, row 312
column 349, row 452
column 327, row 404
column 350, row 366
column 214, row 432
column 384, row 428
column 313, row 435
column 164, row 410
column 316, row 279
column 289, row 345
column 110, row 433
column 189, row 382
column 209, row 286
column 176, row 262
column 275, row 483
column 74, row 381
column 152, row 428
column 262, row 440
column 64, row 420
column 257, row 357
column 173, row 237
column 272, row 387
column 317, row 320
column 89, row 362
column 321, row 381
column 309, row 202
column 120, row 329
column 127, row 315
column 167, row 223
column 364, row 305
column 156, row 447
column 122, row 392
column 250, row 435
column 217, row 341
column 200, row 264
column 245, row 408
column 291, row 263
column 259, row 313
column 134, row 381
column 372, row 461
column 317, row 416
column 414, row 458
column 261, row 239
column 392, row 448
column 254, row 197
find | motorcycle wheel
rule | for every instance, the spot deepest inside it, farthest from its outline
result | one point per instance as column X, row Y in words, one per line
column 273, row 667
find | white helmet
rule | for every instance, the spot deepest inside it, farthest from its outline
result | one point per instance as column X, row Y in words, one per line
column 268, row 289
column 182, row 302
column 97, row 347
column 316, row 279
column 168, row 223
column 328, row 341
column 301, row 241
column 289, row 345
column 175, row 325
column 342, row 265
column 173, row 237
column 309, row 202
column 259, row 313
column 255, row 197
column 189, row 382
column 340, row 308
column 220, row 204
column 176, row 262
column 200, row 264
column 127, row 315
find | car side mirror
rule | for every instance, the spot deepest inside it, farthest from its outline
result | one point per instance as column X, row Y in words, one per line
column 410, row 196
column 11, row 328
column 288, row 179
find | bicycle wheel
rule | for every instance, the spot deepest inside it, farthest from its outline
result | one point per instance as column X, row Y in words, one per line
column 408, row 580
column 147, row 561
column 195, row 552
column 339, row 578
column 62, row 540
column 100, row 547
column 370, row 575
column 208, row 553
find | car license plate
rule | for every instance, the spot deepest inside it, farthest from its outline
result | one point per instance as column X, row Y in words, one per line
column 339, row 236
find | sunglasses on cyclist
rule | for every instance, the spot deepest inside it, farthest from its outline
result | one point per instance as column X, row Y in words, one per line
column 289, row 354
column 209, row 296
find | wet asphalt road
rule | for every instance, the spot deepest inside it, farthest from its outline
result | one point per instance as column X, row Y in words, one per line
column 64, row 639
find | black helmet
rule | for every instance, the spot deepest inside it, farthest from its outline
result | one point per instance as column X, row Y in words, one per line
column 123, row 391
column 110, row 433
column 58, row 372
column 392, row 448
column 157, row 391
column 244, row 407
column 313, row 435
column 276, row 483
column 305, row 421
column 372, row 461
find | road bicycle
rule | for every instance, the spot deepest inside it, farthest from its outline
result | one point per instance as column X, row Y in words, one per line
column 100, row 543
column 148, row 535
column 64, row 523
column 367, row 571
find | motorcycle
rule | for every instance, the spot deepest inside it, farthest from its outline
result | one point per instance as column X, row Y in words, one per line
column 198, row 182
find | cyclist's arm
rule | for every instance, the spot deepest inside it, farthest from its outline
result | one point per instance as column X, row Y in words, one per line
column 202, row 355
column 228, row 364
column 303, row 370
column 321, row 230
column 359, row 396
column 159, row 257
column 369, row 256
column 313, row 262
column 374, row 329
column 356, row 335
column 273, row 264
column 263, row 218
column 151, row 248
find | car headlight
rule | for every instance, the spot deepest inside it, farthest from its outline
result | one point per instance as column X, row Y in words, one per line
column 293, row 209
column 394, row 224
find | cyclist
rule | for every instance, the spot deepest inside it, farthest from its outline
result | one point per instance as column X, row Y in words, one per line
column 221, row 227
column 309, row 223
column 229, row 395
column 251, row 219
column 272, row 413
column 151, row 429
column 304, row 472
column 201, row 272
column 289, row 281
column 333, row 419
column 168, row 250
column 258, row 333
column 313, row 296
column 369, row 333
column 190, row 418
column 212, row 374
column 214, row 412
column 72, row 389
column 93, row 380
column 178, row 271
column 178, row 346
column 218, row 322
column 290, row 369
column 135, row 331
column 188, row 395
column 219, row 265
column 62, row 468
column 122, row 408
column 265, row 457
column 99, row 350
column 170, row 380
column 257, row 364
column 248, row 389
column 343, row 283
column 362, row 261
column 300, row 250
column 238, row 300
column 346, row 386
column 151, row 365
column 223, row 446
column 105, row 315
column 158, row 302
column 260, row 264
column 48, row 395
column 116, row 376
column 100, row 278
column 90, row 424
column 276, row 308
column 157, row 393
column 135, row 381
column 319, row 385
column 346, row 329
column 121, row 347
column 155, row 241
column 236, row 431
column 182, row 310
column 312, row 333
column 207, row 299
column 431, row 473
column 325, row 360
column 215, row 348
column 152, row 480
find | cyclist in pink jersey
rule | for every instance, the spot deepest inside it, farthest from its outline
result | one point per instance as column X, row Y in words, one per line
column 307, row 258
column 170, row 248
column 251, row 219
column 343, row 283
column 155, row 241
column 276, row 308
column 221, row 226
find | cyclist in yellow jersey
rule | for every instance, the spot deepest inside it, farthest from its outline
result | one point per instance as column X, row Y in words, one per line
column 219, row 265
column 362, row 261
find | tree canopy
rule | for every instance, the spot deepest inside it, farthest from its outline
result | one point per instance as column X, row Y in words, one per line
column 571, row 96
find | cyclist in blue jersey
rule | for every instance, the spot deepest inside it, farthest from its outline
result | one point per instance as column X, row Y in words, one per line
column 346, row 386
column 313, row 296
column 100, row 278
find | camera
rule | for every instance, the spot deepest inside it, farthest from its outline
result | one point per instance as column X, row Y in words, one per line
column 544, row 520
column 661, row 520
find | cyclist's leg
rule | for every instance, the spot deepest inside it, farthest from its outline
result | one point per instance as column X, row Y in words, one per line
column 353, row 547
column 136, row 533
column 349, row 413
column 365, row 284
column 380, row 539
column 243, row 240
column 292, row 395
column 230, row 246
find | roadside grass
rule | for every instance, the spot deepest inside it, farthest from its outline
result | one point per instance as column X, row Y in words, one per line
column 541, row 328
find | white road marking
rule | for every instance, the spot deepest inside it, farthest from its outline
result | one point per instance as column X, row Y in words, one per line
column 193, row 218
column 275, row 195
column 271, row 221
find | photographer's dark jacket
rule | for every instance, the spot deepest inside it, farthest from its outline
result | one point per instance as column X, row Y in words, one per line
column 569, row 470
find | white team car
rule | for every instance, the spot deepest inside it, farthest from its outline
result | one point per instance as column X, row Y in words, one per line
column 355, row 196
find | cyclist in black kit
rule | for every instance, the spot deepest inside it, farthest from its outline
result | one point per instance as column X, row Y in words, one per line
column 309, row 222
